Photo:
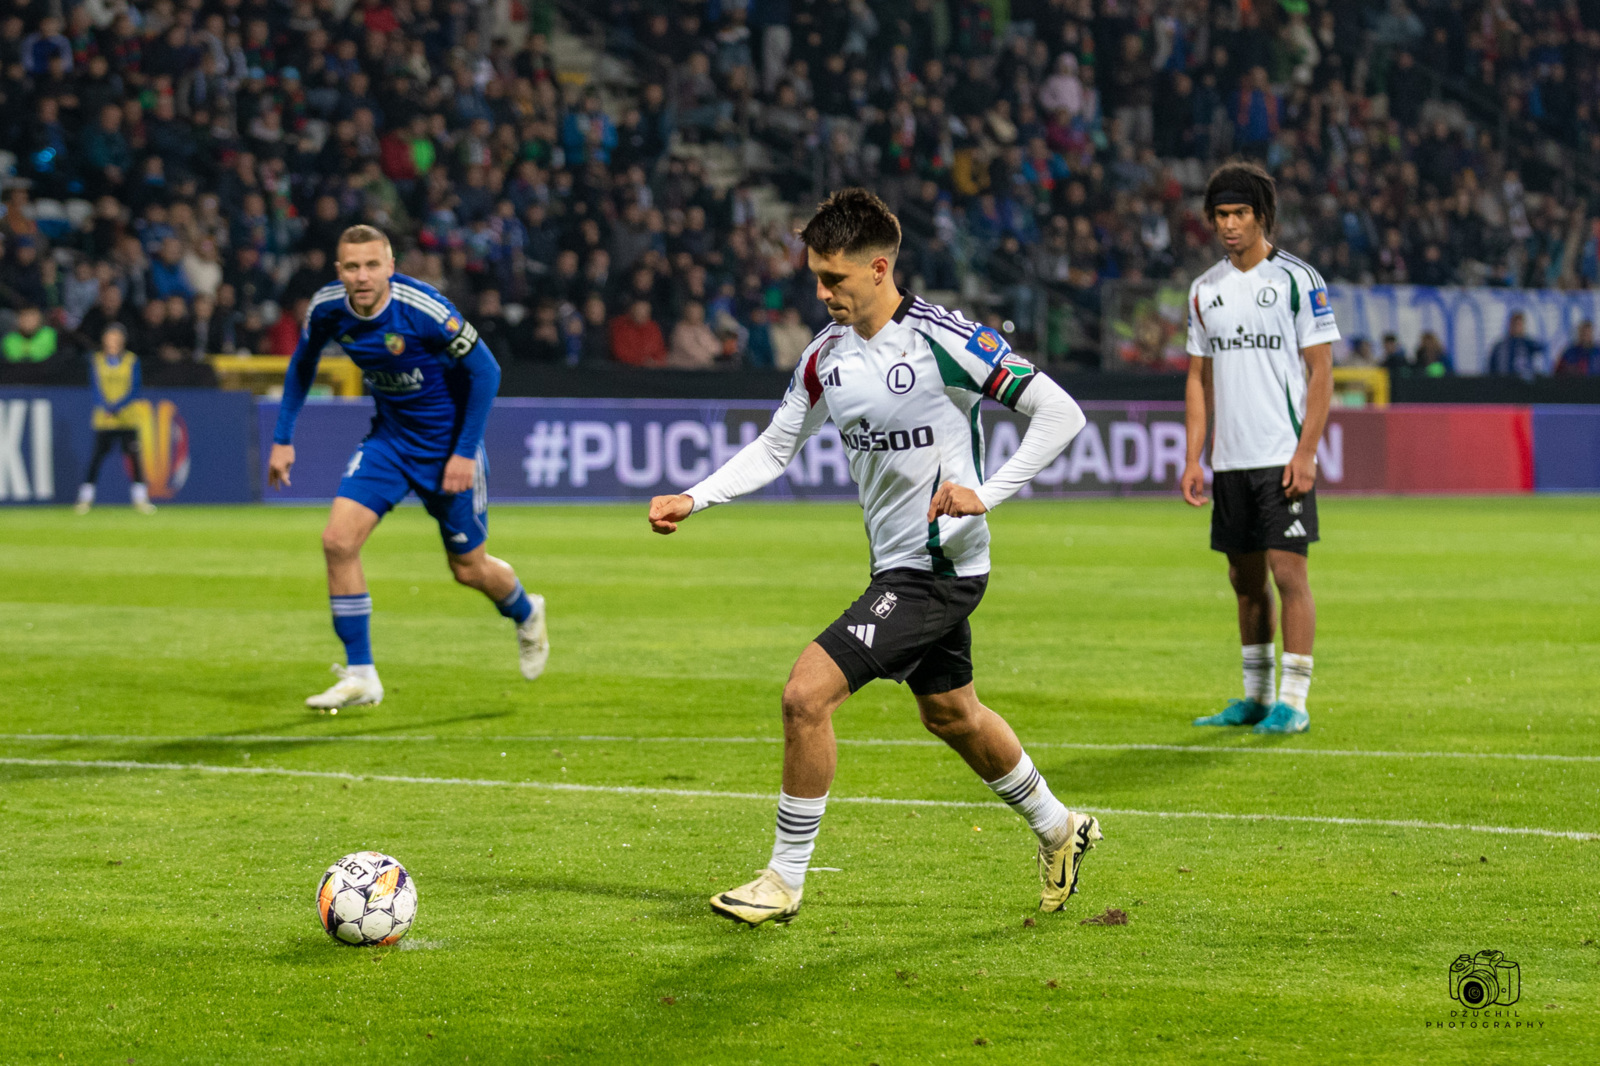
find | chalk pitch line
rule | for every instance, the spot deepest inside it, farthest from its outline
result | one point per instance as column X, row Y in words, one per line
column 634, row 790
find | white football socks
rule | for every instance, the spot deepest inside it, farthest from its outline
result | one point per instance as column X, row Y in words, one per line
column 365, row 670
column 86, row 492
column 139, row 494
column 1025, row 792
column 1258, row 671
column 798, row 822
column 1296, row 680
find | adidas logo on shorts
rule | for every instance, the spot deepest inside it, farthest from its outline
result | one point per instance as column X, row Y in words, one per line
column 1296, row 530
column 863, row 633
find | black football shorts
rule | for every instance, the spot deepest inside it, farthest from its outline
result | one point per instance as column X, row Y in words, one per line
column 1249, row 513
column 911, row 626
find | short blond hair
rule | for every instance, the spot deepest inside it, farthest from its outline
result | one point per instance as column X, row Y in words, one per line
column 364, row 234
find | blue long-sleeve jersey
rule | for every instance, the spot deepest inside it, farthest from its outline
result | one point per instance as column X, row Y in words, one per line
column 431, row 377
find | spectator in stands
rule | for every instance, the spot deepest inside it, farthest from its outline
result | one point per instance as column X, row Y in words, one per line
column 167, row 276
column 32, row 341
column 1517, row 354
column 284, row 333
column 595, row 346
column 694, row 345
column 636, row 337
column 540, row 340
column 789, row 339
column 1432, row 359
column 758, row 346
column 490, row 322
column 1581, row 358
column 1393, row 358
column 22, row 276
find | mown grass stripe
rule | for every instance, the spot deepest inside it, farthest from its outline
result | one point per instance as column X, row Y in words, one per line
column 640, row 790
column 913, row 742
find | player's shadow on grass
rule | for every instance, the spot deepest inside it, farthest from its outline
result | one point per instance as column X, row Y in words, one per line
column 1086, row 777
column 655, row 893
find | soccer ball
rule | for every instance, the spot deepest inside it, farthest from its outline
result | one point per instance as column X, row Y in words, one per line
column 367, row 898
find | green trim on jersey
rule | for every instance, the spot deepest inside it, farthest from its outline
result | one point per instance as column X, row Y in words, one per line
column 942, row 564
column 1288, row 400
column 950, row 371
column 1294, row 293
column 977, row 441
column 955, row 376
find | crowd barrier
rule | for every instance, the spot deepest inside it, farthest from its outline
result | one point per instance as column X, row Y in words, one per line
column 205, row 446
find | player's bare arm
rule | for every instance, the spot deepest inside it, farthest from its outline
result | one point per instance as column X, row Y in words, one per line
column 1300, row 476
column 1197, row 408
column 667, row 511
column 954, row 500
column 278, row 465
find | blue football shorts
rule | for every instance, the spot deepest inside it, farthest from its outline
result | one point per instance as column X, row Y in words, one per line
column 380, row 475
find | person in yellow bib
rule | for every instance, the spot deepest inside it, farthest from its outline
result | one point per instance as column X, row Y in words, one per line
column 114, row 377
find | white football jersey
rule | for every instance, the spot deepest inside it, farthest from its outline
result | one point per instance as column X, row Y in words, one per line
column 906, row 404
column 1253, row 324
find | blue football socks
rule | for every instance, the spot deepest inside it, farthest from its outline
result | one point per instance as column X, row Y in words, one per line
column 516, row 606
column 351, row 615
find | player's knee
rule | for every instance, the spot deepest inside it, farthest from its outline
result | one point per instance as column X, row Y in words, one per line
column 946, row 721
column 339, row 545
column 802, row 707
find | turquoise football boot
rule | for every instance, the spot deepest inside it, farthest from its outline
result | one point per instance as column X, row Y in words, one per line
column 1284, row 719
column 1237, row 712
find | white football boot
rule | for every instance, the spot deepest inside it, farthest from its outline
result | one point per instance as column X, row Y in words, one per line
column 533, row 640
column 766, row 899
column 349, row 691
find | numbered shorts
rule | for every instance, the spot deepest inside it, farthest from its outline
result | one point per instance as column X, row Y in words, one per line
column 1249, row 513
column 910, row 626
column 380, row 475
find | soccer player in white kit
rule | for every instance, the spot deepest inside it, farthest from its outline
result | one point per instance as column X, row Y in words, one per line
column 1261, row 368
column 902, row 379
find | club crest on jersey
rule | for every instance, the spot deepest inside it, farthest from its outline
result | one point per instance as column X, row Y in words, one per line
column 885, row 605
column 900, row 378
column 1319, row 303
column 1267, row 297
column 394, row 342
column 987, row 345
column 1018, row 366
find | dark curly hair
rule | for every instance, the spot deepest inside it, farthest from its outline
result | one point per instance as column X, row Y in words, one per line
column 853, row 221
column 1243, row 183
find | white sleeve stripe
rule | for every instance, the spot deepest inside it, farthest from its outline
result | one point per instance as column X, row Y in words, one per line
column 420, row 294
column 953, row 321
column 414, row 299
column 1316, row 279
column 418, row 298
column 327, row 297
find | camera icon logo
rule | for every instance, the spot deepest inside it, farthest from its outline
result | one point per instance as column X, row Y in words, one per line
column 1487, row 979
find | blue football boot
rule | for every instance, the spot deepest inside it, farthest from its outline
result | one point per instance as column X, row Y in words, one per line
column 1237, row 712
column 1284, row 719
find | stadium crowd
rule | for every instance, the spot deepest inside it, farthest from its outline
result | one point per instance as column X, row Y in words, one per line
column 185, row 166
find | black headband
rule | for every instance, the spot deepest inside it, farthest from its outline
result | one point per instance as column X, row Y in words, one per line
column 1232, row 196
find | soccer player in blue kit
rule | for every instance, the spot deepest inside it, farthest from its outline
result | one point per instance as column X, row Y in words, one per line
column 433, row 382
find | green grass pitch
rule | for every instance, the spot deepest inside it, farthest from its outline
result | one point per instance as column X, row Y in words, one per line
column 161, row 912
